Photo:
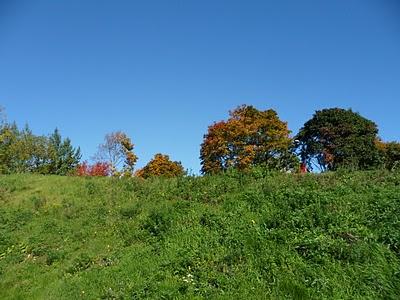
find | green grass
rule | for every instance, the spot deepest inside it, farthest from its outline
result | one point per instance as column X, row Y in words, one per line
column 235, row 236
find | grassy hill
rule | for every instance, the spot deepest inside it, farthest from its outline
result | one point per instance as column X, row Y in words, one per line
column 233, row 236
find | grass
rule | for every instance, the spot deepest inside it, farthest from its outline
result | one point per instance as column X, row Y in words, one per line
column 258, row 235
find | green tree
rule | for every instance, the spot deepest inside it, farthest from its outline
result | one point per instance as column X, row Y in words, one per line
column 249, row 137
column 39, row 159
column 64, row 158
column 9, row 135
column 335, row 138
column 22, row 151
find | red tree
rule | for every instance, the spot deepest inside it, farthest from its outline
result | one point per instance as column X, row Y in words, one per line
column 97, row 169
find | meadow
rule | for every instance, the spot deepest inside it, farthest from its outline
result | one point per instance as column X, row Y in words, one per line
column 254, row 235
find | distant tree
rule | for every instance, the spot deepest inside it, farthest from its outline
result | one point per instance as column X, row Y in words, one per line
column 39, row 155
column 161, row 165
column 335, row 138
column 22, row 151
column 249, row 137
column 82, row 169
column 390, row 153
column 97, row 169
column 64, row 158
column 117, row 151
column 9, row 135
column 30, row 153
column 100, row 169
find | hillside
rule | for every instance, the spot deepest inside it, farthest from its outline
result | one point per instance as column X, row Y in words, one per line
column 233, row 236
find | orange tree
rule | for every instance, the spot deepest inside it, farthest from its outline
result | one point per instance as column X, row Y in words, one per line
column 161, row 165
column 249, row 137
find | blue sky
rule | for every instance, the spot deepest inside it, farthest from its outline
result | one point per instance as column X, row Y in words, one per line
column 162, row 71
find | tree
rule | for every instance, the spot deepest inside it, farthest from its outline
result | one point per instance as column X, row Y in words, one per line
column 335, row 138
column 161, row 165
column 39, row 155
column 249, row 137
column 390, row 153
column 22, row 151
column 97, row 169
column 9, row 135
column 30, row 153
column 117, row 150
column 5, row 137
column 63, row 157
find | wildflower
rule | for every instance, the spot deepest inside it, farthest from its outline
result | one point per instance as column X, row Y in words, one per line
column 188, row 278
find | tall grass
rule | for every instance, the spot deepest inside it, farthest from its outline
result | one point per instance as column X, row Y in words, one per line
column 258, row 235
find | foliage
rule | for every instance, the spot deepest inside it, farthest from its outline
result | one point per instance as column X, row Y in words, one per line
column 253, row 235
column 335, row 138
column 63, row 157
column 97, row 169
column 29, row 153
column 117, row 150
column 249, row 137
column 8, row 137
column 161, row 165
column 390, row 152
column 22, row 151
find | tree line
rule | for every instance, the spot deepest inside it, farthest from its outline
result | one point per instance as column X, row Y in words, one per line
column 333, row 138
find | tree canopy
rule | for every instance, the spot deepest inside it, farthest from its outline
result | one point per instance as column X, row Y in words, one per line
column 335, row 138
column 161, row 165
column 22, row 151
column 249, row 137
column 63, row 157
column 390, row 152
column 96, row 169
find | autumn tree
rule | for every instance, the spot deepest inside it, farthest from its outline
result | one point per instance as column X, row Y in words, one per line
column 117, row 150
column 161, row 165
column 249, row 137
column 337, row 137
column 97, row 169
column 390, row 153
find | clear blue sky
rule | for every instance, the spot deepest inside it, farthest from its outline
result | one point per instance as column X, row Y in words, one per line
column 162, row 71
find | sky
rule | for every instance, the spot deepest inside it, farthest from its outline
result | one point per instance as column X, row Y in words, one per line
column 163, row 71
